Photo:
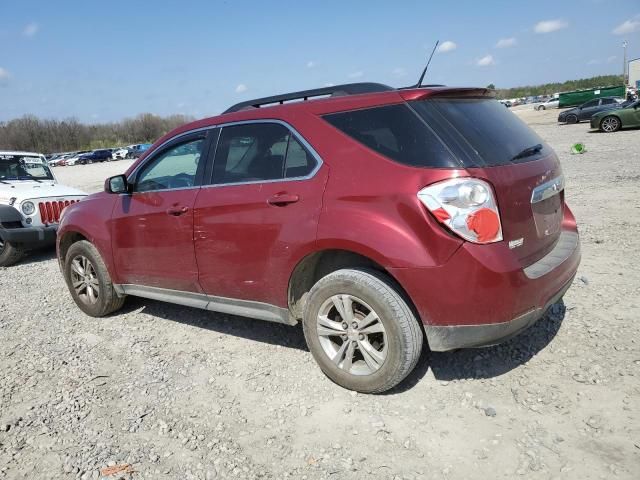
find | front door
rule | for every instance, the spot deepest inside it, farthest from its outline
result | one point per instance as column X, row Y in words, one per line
column 259, row 215
column 152, row 228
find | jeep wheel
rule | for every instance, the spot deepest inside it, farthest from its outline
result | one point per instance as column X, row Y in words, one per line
column 361, row 332
column 89, row 281
column 9, row 253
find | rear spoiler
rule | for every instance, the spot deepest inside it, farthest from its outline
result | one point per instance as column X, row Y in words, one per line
column 451, row 92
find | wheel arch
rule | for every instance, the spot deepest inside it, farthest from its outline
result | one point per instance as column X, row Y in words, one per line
column 612, row 114
column 320, row 263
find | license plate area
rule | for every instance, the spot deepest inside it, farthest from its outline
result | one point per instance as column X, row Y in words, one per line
column 547, row 201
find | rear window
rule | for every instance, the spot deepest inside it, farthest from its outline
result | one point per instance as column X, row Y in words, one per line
column 481, row 131
column 396, row 132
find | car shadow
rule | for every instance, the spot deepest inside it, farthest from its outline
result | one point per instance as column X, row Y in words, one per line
column 628, row 129
column 490, row 362
column 464, row 364
column 37, row 256
column 244, row 327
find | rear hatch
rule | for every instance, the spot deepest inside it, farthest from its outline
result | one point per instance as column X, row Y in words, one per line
column 495, row 145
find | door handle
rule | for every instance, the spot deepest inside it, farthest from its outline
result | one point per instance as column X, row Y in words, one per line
column 283, row 199
column 177, row 211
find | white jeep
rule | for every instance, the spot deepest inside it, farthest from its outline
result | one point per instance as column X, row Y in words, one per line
column 31, row 202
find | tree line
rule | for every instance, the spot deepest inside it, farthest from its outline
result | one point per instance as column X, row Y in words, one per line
column 33, row 134
column 551, row 88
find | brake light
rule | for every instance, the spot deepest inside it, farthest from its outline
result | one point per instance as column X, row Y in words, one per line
column 467, row 206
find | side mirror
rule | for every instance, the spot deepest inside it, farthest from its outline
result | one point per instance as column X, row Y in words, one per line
column 117, row 184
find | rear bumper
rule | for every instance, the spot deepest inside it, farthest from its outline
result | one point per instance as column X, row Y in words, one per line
column 443, row 338
column 30, row 237
column 483, row 296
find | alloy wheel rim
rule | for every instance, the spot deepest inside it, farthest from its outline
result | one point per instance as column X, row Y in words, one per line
column 352, row 335
column 609, row 124
column 1, row 246
column 84, row 280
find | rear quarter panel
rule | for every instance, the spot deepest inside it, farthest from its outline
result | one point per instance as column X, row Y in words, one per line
column 371, row 206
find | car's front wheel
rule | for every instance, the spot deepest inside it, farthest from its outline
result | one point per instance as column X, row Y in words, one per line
column 610, row 124
column 361, row 331
column 572, row 118
column 9, row 253
column 89, row 282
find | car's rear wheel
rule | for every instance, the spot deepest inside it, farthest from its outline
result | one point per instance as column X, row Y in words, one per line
column 9, row 253
column 610, row 124
column 89, row 282
column 361, row 331
column 572, row 118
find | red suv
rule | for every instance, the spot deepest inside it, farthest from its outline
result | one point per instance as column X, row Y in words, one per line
column 374, row 216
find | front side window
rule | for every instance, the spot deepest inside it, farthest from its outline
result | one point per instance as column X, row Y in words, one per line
column 176, row 167
column 259, row 152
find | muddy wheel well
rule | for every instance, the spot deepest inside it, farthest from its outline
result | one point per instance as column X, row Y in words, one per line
column 317, row 265
column 69, row 239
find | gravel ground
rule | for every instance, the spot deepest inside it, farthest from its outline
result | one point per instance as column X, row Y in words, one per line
column 179, row 393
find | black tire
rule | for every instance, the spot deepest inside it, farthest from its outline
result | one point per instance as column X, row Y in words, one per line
column 541, row 107
column 610, row 124
column 10, row 253
column 572, row 118
column 107, row 300
column 403, row 333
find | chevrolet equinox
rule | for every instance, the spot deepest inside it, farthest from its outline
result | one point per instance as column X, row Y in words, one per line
column 375, row 216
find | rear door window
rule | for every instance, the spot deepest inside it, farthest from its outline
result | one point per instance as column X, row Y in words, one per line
column 396, row 132
column 259, row 152
column 481, row 131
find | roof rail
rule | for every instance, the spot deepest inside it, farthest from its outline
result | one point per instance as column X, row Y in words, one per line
column 334, row 91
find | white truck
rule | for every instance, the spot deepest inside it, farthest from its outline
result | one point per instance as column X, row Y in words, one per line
column 31, row 203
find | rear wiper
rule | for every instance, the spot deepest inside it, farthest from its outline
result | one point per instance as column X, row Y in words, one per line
column 527, row 152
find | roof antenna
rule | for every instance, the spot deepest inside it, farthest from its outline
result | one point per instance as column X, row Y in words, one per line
column 419, row 84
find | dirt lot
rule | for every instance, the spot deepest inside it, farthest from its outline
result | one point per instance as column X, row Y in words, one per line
column 181, row 393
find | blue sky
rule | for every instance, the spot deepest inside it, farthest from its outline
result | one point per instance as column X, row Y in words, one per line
column 106, row 60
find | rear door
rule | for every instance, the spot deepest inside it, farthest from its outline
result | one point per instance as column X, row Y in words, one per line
column 259, row 214
column 152, row 228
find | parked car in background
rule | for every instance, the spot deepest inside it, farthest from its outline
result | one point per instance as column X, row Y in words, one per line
column 551, row 103
column 73, row 159
column 119, row 153
column 374, row 216
column 31, row 203
column 612, row 121
column 103, row 155
column 135, row 151
column 587, row 109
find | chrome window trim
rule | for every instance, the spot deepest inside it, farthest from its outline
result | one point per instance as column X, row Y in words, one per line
column 547, row 189
column 163, row 144
column 297, row 135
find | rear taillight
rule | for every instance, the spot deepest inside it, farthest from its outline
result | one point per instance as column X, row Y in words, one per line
column 467, row 206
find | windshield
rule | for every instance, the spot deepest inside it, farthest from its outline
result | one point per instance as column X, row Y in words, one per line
column 17, row 167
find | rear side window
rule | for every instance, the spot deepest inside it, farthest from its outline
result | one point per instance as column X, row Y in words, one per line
column 259, row 152
column 481, row 131
column 396, row 132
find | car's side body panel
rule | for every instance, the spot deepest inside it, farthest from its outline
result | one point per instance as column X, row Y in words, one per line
column 245, row 247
